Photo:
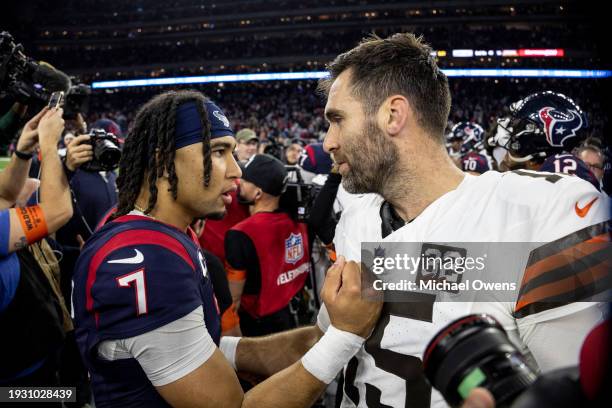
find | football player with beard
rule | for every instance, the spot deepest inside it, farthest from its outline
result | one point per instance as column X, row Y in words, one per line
column 541, row 133
column 387, row 107
column 146, row 317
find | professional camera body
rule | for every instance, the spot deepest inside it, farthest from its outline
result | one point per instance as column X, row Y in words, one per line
column 299, row 196
column 77, row 101
column 106, row 151
column 26, row 81
column 20, row 76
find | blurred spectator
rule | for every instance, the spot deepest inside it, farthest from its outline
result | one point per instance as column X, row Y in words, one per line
column 592, row 156
column 247, row 145
column 293, row 151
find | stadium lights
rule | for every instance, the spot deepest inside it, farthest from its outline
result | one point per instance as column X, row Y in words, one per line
column 288, row 76
column 521, row 52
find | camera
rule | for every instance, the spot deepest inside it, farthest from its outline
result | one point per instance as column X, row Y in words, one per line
column 77, row 101
column 19, row 75
column 106, row 151
column 475, row 351
column 299, row 196
column 273, row 148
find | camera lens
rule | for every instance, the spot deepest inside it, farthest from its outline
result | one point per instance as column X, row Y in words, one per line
column 475, row 351
column 107, row 154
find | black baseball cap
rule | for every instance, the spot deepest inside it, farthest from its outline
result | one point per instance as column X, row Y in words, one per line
column 267, row 173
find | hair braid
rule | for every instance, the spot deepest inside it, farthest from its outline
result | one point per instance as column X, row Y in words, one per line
column 149, row 150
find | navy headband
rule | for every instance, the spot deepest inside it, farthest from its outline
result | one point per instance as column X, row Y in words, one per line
column 189, row 124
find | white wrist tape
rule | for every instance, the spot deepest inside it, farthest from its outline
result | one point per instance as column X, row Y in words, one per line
column 228, row 345
column 331, row 353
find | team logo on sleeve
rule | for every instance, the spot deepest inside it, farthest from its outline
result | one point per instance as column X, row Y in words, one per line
column 294, row 248
column 558, row 125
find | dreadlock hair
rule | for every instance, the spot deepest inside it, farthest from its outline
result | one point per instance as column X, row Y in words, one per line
column 149, row 148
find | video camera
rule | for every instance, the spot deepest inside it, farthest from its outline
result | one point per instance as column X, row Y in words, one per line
column 299, row 196
column 26, row 81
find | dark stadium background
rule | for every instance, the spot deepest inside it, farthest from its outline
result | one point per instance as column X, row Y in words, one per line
column 109, row 40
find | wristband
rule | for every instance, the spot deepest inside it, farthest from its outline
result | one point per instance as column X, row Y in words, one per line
column 22, row 155
column 331, row 353
column 228, row 346
column 33, row 223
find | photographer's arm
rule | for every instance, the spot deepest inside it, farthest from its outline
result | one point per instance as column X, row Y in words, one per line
column 13, row 178
column 30, row 224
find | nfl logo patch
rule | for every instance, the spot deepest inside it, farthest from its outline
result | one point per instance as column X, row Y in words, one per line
column 294, row 251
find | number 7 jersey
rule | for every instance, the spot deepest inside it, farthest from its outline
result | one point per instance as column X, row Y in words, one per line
column 133, row 276
column 494, row 207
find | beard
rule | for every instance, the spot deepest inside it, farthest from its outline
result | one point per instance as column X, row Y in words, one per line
column 372, row 161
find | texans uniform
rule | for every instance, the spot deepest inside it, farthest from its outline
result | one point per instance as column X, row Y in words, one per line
column 517, row 206
column 569, row 164
column 136, row 275
column 475, row 162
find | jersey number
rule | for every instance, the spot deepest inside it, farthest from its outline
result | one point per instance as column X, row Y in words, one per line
column 470, row 164
column 567, row 166
column 408, row 368
column 552, row 178
column 137, row 280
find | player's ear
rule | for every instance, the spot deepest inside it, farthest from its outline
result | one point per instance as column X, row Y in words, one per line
column 396, row 113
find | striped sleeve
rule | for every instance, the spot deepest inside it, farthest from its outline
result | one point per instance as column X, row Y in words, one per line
column 574, row 268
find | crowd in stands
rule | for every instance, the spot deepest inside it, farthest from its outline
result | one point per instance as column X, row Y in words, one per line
column 294, row 108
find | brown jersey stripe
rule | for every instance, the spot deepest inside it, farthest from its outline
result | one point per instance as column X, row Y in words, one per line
column 589, row 293
column 569, row 260
column 566, row 288
column 598, row 231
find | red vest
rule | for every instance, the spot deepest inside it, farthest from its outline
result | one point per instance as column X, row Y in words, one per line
column 284, row 260
column 214, row 231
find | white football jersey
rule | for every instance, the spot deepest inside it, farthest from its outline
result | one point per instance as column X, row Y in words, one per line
column 519, row 206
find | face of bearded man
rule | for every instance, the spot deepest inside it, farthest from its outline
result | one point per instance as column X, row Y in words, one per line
column 371, row 160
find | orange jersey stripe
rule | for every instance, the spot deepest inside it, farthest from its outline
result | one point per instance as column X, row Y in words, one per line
column 567, row 285
column 565, row 257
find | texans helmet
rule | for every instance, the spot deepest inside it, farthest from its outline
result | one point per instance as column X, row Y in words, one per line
column 544, row 123
column 470, row 133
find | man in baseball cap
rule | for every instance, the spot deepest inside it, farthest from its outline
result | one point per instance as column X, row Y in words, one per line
column 267, row 255
column 263, row 175
column 247, row 144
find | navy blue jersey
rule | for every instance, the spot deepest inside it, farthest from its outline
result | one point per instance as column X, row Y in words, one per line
column 133, row 276
column 475, row 162
column 569, row 164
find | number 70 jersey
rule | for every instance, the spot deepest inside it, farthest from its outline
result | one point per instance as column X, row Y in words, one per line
column 494, row 207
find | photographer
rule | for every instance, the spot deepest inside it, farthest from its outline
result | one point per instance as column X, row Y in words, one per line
column 93, row 192
column 33, row 317
column 267, row 255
